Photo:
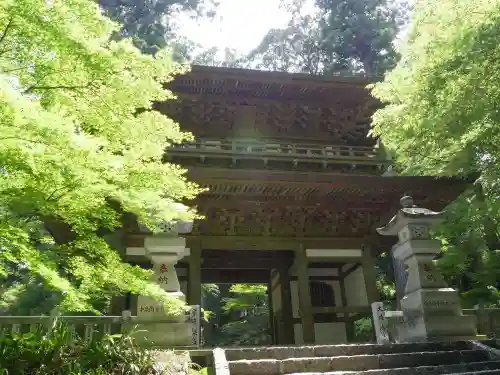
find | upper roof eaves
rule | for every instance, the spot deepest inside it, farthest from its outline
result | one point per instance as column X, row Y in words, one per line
column 360, row 80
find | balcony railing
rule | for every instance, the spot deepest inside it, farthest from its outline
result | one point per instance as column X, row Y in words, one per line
column 274, row 150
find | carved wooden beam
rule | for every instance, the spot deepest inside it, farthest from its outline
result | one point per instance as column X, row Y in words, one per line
column 227, row 276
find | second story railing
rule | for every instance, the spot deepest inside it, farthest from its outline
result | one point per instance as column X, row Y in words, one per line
column 278, row 150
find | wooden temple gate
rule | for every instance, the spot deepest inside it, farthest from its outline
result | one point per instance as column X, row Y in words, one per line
column 296, row 189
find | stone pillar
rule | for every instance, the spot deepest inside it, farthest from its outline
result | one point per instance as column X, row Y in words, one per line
column 380, row 323
column 431, row 309
column 164, row 252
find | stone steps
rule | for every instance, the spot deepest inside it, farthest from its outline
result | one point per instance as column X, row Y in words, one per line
column 486, row 367
column 370, row 359
column 353, row 363
column 276, row 352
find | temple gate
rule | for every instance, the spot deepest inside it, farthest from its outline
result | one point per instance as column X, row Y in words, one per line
column 296, row 190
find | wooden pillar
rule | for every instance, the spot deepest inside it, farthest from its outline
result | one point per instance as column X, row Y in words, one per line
column 370, row 275
column 349, row 323
column 271, row 309
column 117, row 305
column 194, row 280
column 305, row 307
column 286, row 305
column 128, row 301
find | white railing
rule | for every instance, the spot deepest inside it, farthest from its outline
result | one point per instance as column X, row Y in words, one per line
column 91, row 327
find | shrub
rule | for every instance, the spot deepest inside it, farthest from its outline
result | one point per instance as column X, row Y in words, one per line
column 42, row 353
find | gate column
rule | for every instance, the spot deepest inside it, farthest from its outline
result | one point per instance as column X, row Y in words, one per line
column 194, row 281
column 286, row 305
column 305, row 306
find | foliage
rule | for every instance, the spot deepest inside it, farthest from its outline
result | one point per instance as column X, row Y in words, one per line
column 29, row 297
column 251, row 330
column 39, row 353
column 75, row 153
column 342, row 36
column 438, row 92
column 296, row 49
column 209, row 290
column 359, row 35
column 441, row 118
column 240, row 315
column 227, row 58
column 148, row 23
column 245, row 296
column 249, row 312
column 363, row 330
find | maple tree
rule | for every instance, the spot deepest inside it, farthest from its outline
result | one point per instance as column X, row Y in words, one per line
column 441, row 118
column 75, row 153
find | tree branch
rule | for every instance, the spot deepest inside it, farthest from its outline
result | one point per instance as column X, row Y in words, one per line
column 38, row 88
column 491, row 235
column 16, row 69
column 69, row 190
column 40, row 79
column 436, row 161
column 6, row 30
column 30, row 141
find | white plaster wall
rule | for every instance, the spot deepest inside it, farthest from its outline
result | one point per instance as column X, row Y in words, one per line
column 355, row 288
column 324, row 333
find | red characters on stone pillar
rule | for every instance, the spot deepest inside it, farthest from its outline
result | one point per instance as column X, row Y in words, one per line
column 163, row 268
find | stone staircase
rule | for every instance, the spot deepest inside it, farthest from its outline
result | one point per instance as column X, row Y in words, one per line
column 465, row 357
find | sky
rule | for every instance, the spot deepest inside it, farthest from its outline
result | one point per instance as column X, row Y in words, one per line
column 239, row 24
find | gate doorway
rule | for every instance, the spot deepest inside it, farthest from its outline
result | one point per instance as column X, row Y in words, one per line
column 237, row 315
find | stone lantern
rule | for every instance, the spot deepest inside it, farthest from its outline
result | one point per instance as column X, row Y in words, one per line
column 431, row 309
column 164, row 250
